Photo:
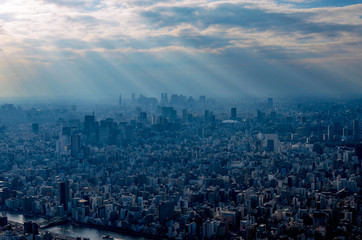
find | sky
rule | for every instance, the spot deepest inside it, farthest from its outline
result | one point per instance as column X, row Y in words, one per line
column 226, row 48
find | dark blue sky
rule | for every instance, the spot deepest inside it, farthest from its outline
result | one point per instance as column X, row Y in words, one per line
column 226, row 48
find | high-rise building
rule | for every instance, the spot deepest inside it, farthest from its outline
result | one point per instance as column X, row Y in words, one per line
column 330, row 133
column 345, row 132
column 233, row 113
column 28, row 204
column 60, row 145
column 63, row 193
column 270, row 103
column 31, row 227
column 259, row 116
column 202, row 99
column 169, row 113
column 165, row 211
column 75, row 145
column 3, row 221
column 270, row 145
column 35, row 127
column 164, row 99
column 207, row 115
column 184, row 114
column 208, row 229
column 271, row 142
column 89, row 123
column 73, row 123
column 143, row 116
column 250, row 232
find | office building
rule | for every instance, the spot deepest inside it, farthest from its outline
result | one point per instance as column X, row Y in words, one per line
column 233, row 113
column 75, row 145
column 63, row 193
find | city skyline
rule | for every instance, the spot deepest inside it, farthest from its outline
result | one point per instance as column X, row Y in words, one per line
column 233, row 48
column 180, row 169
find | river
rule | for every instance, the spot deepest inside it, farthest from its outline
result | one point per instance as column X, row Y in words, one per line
column 73, row 231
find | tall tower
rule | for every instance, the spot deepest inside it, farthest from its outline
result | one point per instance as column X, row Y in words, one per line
column 345, row 132
column 164, row 99
column 89, row 123
column 75, row 145
column 207, row 115
column 63, row 193
column 35, row 127
column 330, row 133
column 233, row 113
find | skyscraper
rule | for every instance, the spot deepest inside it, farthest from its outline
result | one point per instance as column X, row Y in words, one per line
column 63, row 193
column 75, row 145
column 271, row 142
column 330, row 133
column 164, row 99
column 207, row 115
column 35, row 127
column 345, row 132
column 60, row 145
column 88, row 123
column 184, row 114
column 233, row 113
column 143, row 116
column 270, row 145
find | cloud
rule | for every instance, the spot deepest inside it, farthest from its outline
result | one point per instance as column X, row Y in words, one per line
column 232, row 15
column 72, row 3
column 242, row 42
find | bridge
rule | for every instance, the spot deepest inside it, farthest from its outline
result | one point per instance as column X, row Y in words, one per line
column 53, row 222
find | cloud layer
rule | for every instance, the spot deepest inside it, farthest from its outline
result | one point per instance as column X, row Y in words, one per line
column 224, row 48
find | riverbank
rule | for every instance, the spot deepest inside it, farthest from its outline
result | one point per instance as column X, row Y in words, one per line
column 18, row 228
column 76, row 229
column 118, row 230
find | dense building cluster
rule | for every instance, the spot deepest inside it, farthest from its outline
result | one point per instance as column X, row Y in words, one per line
column 189, row 169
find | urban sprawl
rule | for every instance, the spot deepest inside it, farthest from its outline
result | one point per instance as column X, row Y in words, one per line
column 184, row 168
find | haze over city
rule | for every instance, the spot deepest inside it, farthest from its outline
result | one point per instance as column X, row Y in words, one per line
column 180, row 120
